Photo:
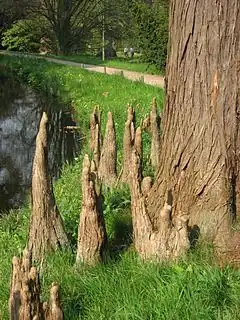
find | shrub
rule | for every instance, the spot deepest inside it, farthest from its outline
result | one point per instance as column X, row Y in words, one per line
column 152, row 30
column 25, row 35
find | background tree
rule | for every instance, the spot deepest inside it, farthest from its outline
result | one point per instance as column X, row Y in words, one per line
column 151, row 31
column 116, row 22
column 70, row 20
column 199, row 161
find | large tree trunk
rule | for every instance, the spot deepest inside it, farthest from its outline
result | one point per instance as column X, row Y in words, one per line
column 199, row 158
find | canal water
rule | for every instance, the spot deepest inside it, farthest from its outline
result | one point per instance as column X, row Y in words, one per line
column 20, row 112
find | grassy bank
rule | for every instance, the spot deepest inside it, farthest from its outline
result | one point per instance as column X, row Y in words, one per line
column 123, row 288
column 134, row 64
column 84, row 90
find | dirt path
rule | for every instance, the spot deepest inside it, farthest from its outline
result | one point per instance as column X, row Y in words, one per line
column 152, row 80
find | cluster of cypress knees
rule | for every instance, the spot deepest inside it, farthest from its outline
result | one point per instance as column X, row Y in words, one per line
column 46, row 231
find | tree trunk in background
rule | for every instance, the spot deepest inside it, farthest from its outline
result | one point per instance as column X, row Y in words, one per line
column 46, row 231
column 199, row 158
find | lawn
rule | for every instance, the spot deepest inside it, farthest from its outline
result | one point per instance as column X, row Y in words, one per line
column 124, row 287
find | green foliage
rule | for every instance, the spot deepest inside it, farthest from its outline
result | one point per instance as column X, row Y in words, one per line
column 152, row 31
column 117, row 213
column 13, row 234
column 83, row 90
column 71, row 85
column 68, row 195
column 125, row 288
column 116, row 20
column 24, row 35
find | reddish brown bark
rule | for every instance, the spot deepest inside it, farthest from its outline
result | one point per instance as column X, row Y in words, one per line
column 199, row 158
column 91, row 232
column 46, row 230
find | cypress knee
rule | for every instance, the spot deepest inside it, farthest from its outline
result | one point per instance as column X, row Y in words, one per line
column 46, row 231
column 25, row 291
column 128, row 140
column 170, row 239
column 95, row 120
column 107, row 170
column 91, row 231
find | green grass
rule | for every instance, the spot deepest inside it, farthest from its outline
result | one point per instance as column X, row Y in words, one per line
column 13, row 234
column 134, row 64
column 123, row 288
column 130, row 289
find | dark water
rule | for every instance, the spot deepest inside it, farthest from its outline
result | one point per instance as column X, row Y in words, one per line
column 20, row 112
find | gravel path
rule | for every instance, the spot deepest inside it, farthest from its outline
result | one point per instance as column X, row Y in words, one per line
column 152, row 80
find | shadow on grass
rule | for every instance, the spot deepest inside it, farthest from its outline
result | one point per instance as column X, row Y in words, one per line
column 73, row 307
column 122, row 237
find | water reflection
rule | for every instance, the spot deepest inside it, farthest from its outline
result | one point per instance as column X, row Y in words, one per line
column 20, row 112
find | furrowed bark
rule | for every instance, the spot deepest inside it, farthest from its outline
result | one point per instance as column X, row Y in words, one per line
column 107, row 170
column 170, row 240
column 199, row 158
column 95, row 119
column 46, row 230
column 91, row 232
column 128, row 139
column 155, row 132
